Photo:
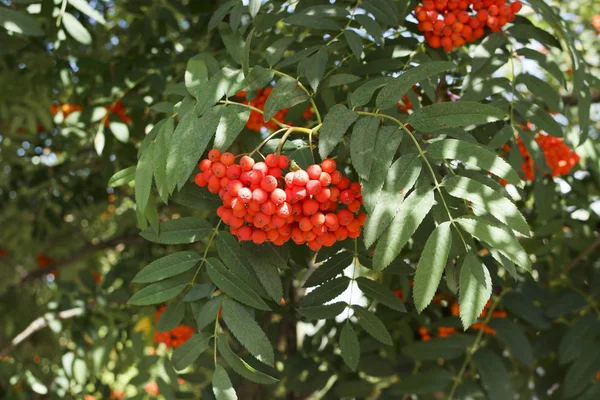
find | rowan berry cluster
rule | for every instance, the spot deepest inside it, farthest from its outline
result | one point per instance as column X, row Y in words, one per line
column 176, row 336
column 262, row 204
column 559, row 156
column 257, row 120
column 453, row 23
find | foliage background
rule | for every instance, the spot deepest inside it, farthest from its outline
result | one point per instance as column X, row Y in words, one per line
column 55, row 202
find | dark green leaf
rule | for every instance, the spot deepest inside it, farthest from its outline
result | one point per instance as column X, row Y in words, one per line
column 222, row 387
column 190, row 350
column 161, row 150
column 362, row 144
column 340, row 79
column 363, row 94
column 122, row 177
column 285, row 94
column 475, row 289
column 539, row 117
column 311, row 21
column 195, row 197
column 199, row 292
column 372, row 325
column 322, row 312
column 336, row 123
column 514, row 338
column 171, row 316
column 326, row 292
column 541, row 90
column 143, row 179
column 160, row 292
column 528, row 32
column 240, row 366
column 581, row 373
column 453, row 114
column 439, row 348
column 329, row 269
column 220, row 13
column 545, row 62
column 435, row 380
column 196, row 75
column 316, row 66
column 254, row 7
column 258, row 78
column 371, row 26
column 525, row 309
column 380, row 293
column 205, row 314
column 349, row 346
column 18, row 22
column 274, row 52
column 168, row 266
column 494, row 376
column 230, row 125
column 355, row 43
column 178, row 231
column 579, row 338
column 266, row 271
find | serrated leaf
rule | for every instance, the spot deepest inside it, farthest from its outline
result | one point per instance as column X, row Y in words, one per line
column 382, row 10
column 230, row 125
column 494, row 376
column 143, row 179
column 161, row 150
column 205, row 314
column 258, row 78
column 380, row 293
column 222, row 387
column 240, row 366
column 274, row 52
column 86, row 8
column 371, row 26
column 373, row 325
column 355, row 43
column 393, row 92
column 439, row 348
column 312, row 21
column 579, row 338
column 340, row 79
column 190, row 350
column 171, row 316
column 195, row 197
column 406, row 221
column 316, row 66
column 525, row 309
column 400, row 179
column 362, row 144
column 350, row 347
column 254, row 7
column 474, row 156
column 160, row 292
column 328, row 311
column 545, row 62
column 488, row 199
column 497, row 238
column 76, row 29
column 233, row 285
column 475, row 289
column 266, row 271
column 285, row 94
column 122, row 177
column 196, row 75
column 326, row 292
column 179, row 231
column 168, row 266
column 233, row 41
column 514, row 338
column 431, row 265
column 581, row 373
column 527, row 32
column 452, row 115
column 541, row 90
column 336, row 123
column 18, row 22
column 190, row 138
column 423, row 382
column 220, row 13
column 386, row 144
column 363, row 94
column 540, row 117
column 198, row 292
column 247, row 331
column 329, row 269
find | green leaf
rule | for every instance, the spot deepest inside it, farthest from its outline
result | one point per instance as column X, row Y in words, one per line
column 240, row 366
column 246, row 53
column 340, row 79
column 266, row 271
column 76, row 29
column 160, row 292
column 84, row 7
column 179, row 231
column 525, row 308
column 514, row 338
column 254, row 7
column 161, row 151
column 494, row 376
column 205, row 314
column 362, row 144
column 336, row 123
column 209, row 94
column 329, row 269
column 326, row 292
column 475, row 289
column 452, row 115
column 285, row 94
column 311, row 21
column 168, row 266
column 362, row 95
column 316, row 66
column 171, row 316
column 198, row 292
column 435, row 380
column 230, row 125
column 487, row 199
column 274, row 52
column 401, row 177
column 258, row 78
column 122, row 177
column 393, row 92
column 234, row 43
column 143, row 179
column 355, row 43
column 196, row 75
column 582, row 372
column 220, row 13
column 190, row 350
column 545, row 62
column 349, row 346
column 18, row 22
column 188, row 143
column 579, row 338
column 406, row 221
column 382, row 10
column 497, row 238
column 541, row 90
column 372, row 325
column 386, row 144
column 247, row 331
column 222, row 387
column 474, row 156
column 323, row 312
column 528, row 32
column 439, row 348
column 540, row 117
column 233, row 285
column 372, row 27
column 380, row 293
column 195, row 197
column 235, row 258
column 431, row 265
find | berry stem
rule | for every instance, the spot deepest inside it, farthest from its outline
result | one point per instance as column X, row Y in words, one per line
column 258, row 110
column 212, row 237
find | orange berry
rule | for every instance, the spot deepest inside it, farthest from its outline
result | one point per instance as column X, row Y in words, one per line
column 214, row 155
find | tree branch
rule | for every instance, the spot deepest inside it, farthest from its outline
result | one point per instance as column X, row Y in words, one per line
column 38, row 324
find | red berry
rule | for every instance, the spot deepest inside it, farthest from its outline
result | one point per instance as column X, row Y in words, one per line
column 345, row 217
column 323, row 195
column 275, row 172
column 305, row 225
column 344, row 183
column 284, row 210
column 268, row 207
column 317, row 219
column 283, row 162
column 271, row 160
column 261, row 166
column 205, row 164
column 347, row 197
column 298, row 193
column 259, row 236
column 328, row 165
column 268, row 183
column 214, row 155
column 313, row 187
column 450, row 19
column 200, row 181
column 354, row 206
column 244, row 233
column 259, row 196
column 325, row 179
column 309, row 207
column 516, row 7
column 314, row 171
column 245, row 195
column 234, row 171
column 255, row 177
column 227, row 159
column 246, row 163
column 278, row 196
column 300, row 178
column 289, row 178
column 336, row 177
column 331, row 220
column 219, row 169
